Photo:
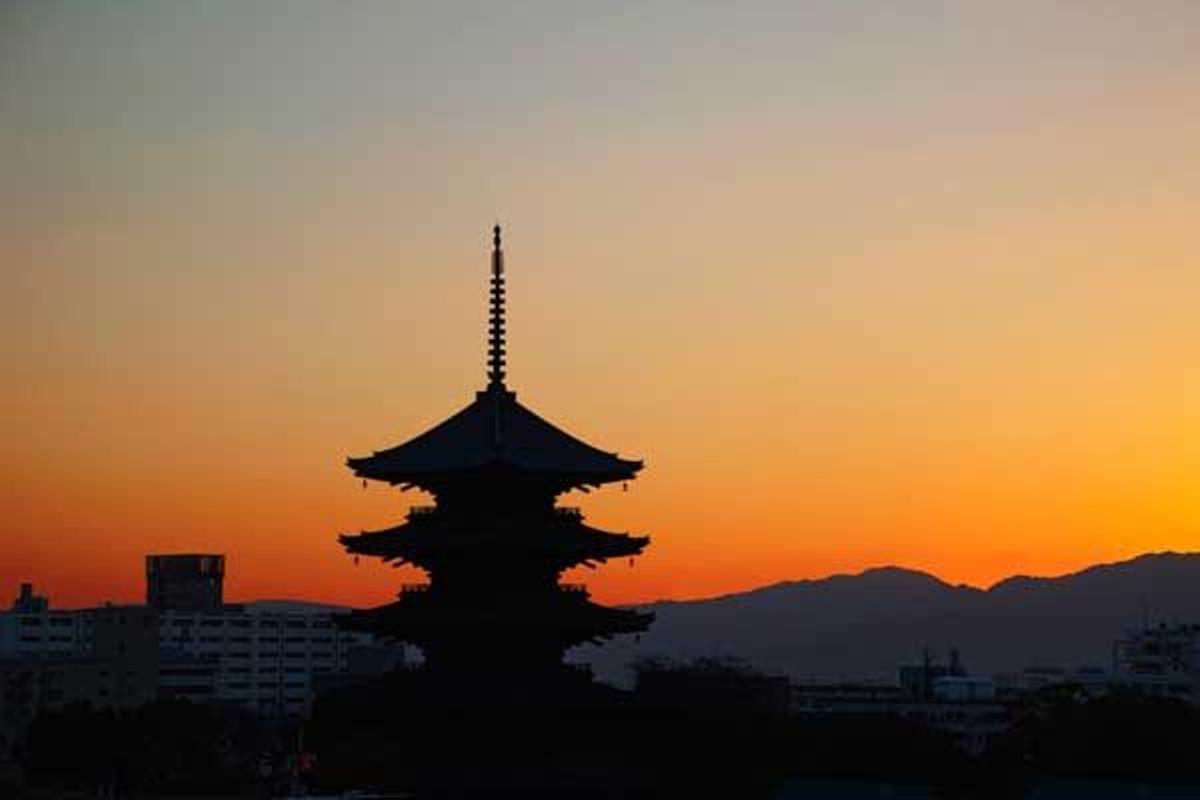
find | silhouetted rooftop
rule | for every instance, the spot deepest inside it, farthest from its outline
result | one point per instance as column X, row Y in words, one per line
column 430, row 535
column 495, row 430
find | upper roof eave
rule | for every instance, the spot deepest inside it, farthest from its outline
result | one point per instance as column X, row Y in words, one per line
column 365, row 468
column 494, row 430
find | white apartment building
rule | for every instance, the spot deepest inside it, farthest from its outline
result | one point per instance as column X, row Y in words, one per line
column 262, row 660
column 256, row 656
column 44, row 632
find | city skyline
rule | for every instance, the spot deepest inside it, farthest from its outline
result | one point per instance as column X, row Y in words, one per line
column 925, row 298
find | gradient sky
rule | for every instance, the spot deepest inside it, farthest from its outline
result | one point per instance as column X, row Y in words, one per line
column 863, row 283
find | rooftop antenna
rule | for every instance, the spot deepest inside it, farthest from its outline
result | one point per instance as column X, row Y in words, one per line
column 496, row 350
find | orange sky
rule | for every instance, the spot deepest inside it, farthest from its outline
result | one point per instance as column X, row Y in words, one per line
column 862, row 287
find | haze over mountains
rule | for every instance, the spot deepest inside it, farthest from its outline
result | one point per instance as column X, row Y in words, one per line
column 865, row 625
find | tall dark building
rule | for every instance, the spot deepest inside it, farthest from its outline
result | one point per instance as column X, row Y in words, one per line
column 496, row 543
column 185, row 581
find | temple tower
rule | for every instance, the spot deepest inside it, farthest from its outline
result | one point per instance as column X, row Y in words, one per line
column 495, row 543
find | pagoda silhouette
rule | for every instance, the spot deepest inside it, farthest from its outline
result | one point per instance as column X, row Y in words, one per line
column 495, row 543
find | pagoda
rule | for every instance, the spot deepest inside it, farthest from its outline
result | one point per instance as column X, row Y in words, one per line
column 495, row 544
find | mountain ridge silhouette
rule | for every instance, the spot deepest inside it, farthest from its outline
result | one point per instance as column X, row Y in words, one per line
column 865, row 625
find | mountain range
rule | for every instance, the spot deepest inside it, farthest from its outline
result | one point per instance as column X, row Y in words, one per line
column 863, row 626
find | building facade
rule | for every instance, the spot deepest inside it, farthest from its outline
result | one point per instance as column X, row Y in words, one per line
column 263, row 657
column 1162, row 661
column 260, row 659
column 118, row 669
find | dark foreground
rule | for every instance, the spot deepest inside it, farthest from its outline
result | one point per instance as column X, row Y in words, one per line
column 405, row 735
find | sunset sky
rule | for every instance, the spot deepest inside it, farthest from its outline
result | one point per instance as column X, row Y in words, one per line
column 863, row 283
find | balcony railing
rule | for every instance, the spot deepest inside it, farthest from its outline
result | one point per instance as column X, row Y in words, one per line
column 567, row 512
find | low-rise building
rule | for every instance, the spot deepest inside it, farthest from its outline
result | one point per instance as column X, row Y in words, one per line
column 1162, row 661
column 1090, row 680
column 119, row 670
column 917, row 679
column 711, row 685
column 942, row 696
column 31, row 627
column 963, row 689
column 974, row 720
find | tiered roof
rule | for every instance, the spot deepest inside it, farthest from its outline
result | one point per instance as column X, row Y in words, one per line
column 495, row 430
column 562, row 538
column 569, row 617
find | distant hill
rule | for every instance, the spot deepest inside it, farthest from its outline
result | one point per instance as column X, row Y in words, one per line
column 292, row 606
column 865, row 625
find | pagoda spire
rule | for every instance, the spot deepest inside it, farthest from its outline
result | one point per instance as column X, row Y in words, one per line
column 496, row 351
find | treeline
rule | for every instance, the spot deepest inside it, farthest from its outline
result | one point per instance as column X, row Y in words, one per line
column 602, row 745
column 616, row 746
column 169, row 747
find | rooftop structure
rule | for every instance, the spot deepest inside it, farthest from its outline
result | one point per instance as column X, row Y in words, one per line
column 495, row 544
column 28, row 601
column 185, row 581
